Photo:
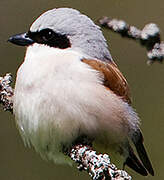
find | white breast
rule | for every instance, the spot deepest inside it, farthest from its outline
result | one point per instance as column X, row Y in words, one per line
column 57, row 97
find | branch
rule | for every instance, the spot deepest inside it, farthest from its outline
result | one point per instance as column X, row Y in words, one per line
column 148, row 37
column 6, row 92
column 99, row 166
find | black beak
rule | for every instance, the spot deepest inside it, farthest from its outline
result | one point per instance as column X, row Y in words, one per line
column 21, row 39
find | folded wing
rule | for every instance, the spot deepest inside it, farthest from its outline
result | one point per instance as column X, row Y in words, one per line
column 115, row 81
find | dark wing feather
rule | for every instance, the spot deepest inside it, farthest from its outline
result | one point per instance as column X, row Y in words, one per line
column 133, row 162
column 138, row 142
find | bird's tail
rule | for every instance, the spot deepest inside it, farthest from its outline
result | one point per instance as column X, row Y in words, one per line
column 144, row 166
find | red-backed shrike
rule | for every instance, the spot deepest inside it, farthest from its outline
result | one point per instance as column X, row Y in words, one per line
column 69, row 89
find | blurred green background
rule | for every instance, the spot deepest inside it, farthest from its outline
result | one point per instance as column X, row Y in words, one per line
column 147, row 83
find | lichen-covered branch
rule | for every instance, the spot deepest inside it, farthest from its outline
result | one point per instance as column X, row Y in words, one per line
column 148, row 37
column 6, row 92
column 99, row 166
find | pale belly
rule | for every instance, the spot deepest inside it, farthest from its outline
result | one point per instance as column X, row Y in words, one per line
column 49, row 121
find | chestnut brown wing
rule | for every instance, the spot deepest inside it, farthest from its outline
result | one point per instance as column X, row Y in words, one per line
column 113, row 78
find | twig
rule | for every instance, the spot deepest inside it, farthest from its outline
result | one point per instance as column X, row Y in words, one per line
column 6, row 92
column 148, row 37
column 98, row 166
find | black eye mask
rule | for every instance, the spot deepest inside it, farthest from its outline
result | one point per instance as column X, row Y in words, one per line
column 50, row 38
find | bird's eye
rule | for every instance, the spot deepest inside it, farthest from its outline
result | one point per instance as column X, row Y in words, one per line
column 47, row 34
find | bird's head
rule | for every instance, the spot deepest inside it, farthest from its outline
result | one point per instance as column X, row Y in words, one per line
column 65, row 28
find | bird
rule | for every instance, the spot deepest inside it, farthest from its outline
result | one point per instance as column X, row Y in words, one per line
column 69, row 90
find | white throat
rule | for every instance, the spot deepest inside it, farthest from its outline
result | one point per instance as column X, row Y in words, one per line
column 42, row 61
column 44, row 50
